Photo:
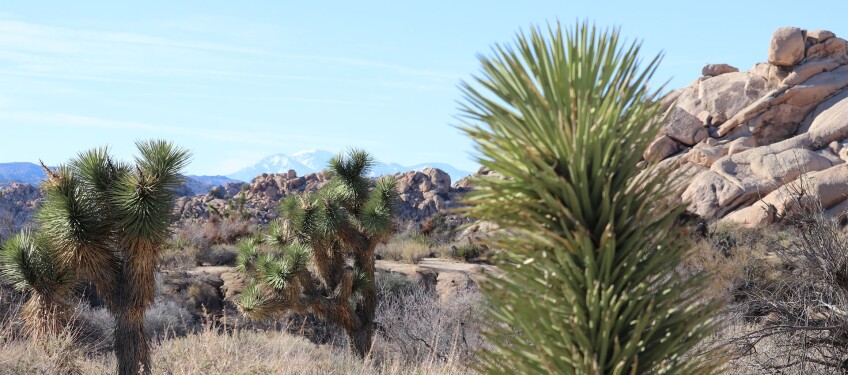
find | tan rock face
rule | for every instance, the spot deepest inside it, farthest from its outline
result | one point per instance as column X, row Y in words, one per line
column 709, row 102
column 770, row 141
column 818, row 36
column 833, row 47
column 787, row 47
column 830, row 187
column 661, row 148
column 788, row 165
column 717, row 69
column 705, row 154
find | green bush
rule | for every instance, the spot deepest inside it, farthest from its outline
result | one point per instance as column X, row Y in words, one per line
column 467, row 252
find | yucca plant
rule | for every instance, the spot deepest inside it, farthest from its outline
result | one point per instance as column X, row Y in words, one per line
column 107, row 221
column 589, row 283
column 319, row 257
column 31, row 265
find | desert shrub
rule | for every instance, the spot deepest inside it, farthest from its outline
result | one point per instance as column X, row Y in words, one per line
column 391, row 284
column 467, row 252
column 203, row 234
column 409, row 250
column 793, row 318
column 94, row 326
column 416, row 325
column 735, row 258
column 202, row 296
column 217, row 192
column 179, row 253
column 56, row 354
column 168, row 319
column 218, row 255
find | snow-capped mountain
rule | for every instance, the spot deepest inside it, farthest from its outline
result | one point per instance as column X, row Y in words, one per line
column 280, row 163
column 313, row 161
column 316, row 160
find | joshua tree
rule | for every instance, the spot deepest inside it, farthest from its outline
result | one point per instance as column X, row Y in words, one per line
column 589, row 282
column 107, row 221
column 319, row 257
column 31, row 266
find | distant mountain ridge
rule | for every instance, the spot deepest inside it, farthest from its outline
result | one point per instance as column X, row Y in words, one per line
column 33, row 174
column 314, row 161
column 20, row 172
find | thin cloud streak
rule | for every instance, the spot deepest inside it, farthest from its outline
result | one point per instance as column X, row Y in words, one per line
column 266, row 138
column 35, row 37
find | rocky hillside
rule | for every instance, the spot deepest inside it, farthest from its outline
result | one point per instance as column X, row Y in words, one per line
column 422, row 195
column 747, row 143
column 17, row 203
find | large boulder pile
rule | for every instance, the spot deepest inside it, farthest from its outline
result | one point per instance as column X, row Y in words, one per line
column 423, row 194
column 258, row 199
column 747, row 144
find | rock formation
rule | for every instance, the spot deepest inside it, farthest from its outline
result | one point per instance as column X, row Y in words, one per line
column 17, row 204
column 747, row 143
column 422, row 195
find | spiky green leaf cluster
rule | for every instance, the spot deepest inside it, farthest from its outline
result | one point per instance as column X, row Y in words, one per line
column 31, row 265
column 589, row 284
column 144, row 197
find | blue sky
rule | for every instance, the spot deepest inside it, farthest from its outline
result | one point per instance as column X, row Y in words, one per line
column 236, row 81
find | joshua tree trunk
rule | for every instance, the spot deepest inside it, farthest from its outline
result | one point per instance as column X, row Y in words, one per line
column 362, row 338
column 131, row 347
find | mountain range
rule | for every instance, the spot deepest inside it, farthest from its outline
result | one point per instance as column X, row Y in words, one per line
column 313, row 161
column 303, row 162
column 27, row 173
column 33, row 174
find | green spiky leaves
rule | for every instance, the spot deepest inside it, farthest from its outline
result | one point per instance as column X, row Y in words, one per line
column 376, row 217
column 144, row 197
column 351, row 171
column 278, row 234
column 564, row 115
column 256, row 303
column 31, row 265
column 248, row 253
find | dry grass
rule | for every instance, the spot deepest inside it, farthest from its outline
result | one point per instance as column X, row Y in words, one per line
column 415, row 325
column 405, row 249
column 785, row 296
column 420, row 335
column 209, row 242
column 734, row 258
column 212, row 352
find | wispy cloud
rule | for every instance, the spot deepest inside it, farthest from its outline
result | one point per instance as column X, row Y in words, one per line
column 243, row 137
column 19, row 37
